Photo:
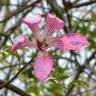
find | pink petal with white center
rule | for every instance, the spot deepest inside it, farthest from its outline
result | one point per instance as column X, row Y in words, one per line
column 53, row 24
column 43, row 66
column 21, row 42
column 32, row 22
column 70, row 41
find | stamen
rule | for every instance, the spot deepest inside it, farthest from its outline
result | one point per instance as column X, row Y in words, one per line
column 39, row 44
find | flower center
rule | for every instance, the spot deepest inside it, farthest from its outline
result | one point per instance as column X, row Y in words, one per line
column 42, row 45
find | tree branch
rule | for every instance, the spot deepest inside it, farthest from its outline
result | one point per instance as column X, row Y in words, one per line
column 14, row 88
column 84, row 4
column 22, row 9
column 8, row 82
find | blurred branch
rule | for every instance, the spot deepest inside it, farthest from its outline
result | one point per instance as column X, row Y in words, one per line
column 9, row 66
column 17, row 12
column 11, row 5
column 14, row 88
column 94, row 88
column 84, row 4
column 9, row 74
column 3, row 85
column 80, row 70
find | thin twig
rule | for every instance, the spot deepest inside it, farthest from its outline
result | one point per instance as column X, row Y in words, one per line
column 14, row 88
column 4, row 85
column 21, row 10
column 84, row 4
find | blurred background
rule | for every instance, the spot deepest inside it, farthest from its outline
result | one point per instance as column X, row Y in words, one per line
column 74, row 73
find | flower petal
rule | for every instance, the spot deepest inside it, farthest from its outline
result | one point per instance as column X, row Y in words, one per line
column 70, row 41
column 53, row 24
column 43, row 66
column 51, row 41
column 21, row 42
column 32, row 22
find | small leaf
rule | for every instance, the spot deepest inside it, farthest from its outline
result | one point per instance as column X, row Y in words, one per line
column 78, row 82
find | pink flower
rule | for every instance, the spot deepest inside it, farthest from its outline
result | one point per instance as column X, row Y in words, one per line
column 43, row 40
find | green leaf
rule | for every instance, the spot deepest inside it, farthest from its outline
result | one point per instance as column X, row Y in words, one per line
column 78, row 83
column 3, row 52
column 83, row 30
column 6, row 51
